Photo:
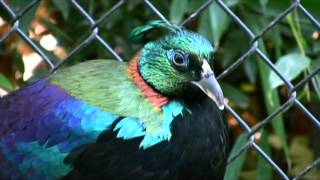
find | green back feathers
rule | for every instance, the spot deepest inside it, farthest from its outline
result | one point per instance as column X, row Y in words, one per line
column 106, row 84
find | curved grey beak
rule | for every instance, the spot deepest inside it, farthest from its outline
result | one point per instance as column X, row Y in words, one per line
column 210, row 86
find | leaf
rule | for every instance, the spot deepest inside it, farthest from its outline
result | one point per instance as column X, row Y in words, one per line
column 5, row 16
column 195, row 5
column 275, row 37
column 302, row 155
column 263, row 4
column 235, row 167
column 38, row 74
column 17, row 58
column 217, row 20
column 250, row 68
column 231, row 2
column 177, row 9
column 27, row 18
column 63, row 7
column 203, row 26
column 274, row 8
column 231, row 51
column 272, row 102
column 61, row 35
column 290, row 65
column 236, row 95
column 264, row 170
column 316, row 80
column 271, row 96
column 5, row 83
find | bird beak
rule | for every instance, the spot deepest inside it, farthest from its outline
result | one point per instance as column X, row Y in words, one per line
column 210, row 86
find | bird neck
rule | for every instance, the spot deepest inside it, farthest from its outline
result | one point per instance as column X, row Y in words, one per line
column 148, row 91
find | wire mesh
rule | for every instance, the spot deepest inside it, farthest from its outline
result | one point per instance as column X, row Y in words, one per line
column 292, row 99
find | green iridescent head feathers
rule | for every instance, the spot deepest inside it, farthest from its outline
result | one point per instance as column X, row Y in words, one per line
column 174, row 60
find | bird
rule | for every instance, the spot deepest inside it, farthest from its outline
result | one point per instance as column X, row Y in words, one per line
column 158, row 116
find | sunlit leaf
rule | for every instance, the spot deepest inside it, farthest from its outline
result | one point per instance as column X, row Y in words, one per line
column 61, row 35
column 5, row 83
column 290, row 65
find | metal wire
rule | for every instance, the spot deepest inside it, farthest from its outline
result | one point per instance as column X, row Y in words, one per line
column 250, row 144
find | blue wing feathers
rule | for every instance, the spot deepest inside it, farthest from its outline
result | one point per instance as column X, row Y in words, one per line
column 42, row 120
column 41, row 124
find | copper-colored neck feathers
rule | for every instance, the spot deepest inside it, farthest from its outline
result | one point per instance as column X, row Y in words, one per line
column 155, row 97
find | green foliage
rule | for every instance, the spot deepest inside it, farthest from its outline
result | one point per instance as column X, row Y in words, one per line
column 25, row 20
column 264, row 170
column 5, row 83
column 290, row 65
column 289, row 45
column 217, row 20
column 316, row 79
column 234, row 169
column 63, row 7
column 177, row 10
column 236, row 95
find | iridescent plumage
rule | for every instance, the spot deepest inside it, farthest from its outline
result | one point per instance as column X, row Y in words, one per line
column 104, row 119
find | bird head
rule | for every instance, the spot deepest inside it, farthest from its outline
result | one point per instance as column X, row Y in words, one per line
column 178, row 63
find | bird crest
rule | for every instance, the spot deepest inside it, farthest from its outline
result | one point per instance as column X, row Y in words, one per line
column 138, row 33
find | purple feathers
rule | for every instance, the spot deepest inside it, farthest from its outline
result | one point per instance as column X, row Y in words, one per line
column 46, row 120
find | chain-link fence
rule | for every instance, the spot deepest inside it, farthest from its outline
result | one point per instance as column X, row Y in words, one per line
column 292, row 100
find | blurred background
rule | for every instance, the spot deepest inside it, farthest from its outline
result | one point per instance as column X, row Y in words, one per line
column 57, row 30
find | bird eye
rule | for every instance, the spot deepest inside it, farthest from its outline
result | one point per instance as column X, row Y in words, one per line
column 179, row 59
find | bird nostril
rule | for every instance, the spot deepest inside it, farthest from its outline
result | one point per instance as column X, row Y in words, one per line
column 207, row 75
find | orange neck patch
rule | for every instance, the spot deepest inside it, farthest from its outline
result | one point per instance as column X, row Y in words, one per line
column 155, row 97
